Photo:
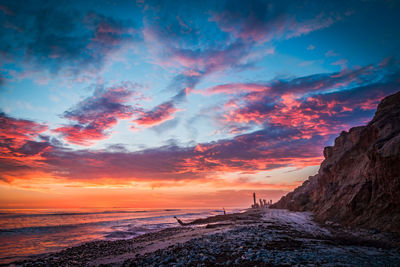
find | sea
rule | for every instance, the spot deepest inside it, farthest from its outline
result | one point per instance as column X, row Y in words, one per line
column 24, row 233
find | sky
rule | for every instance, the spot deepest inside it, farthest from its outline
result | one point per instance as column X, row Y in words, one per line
column 158, row 104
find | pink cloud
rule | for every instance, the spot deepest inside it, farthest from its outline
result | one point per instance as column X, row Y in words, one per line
column 95, row 115
column 15, row 132
column 157, row 115
column 236, row 88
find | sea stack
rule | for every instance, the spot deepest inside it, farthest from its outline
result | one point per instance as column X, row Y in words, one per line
column 358, row 183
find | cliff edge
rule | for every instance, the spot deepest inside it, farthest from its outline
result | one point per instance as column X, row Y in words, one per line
column 358, row 183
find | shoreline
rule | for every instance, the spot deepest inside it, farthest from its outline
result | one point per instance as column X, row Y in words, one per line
column 153, row 235
column 263, row 237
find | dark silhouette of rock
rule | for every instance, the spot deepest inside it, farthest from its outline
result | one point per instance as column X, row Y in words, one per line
column 358, row 183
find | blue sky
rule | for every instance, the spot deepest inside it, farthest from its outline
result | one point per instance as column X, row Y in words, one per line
column 207, row 89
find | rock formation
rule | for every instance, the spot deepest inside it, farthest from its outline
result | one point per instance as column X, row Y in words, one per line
column 358, row 183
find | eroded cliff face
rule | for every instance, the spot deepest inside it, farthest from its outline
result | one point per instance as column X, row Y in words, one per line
column 358, row 183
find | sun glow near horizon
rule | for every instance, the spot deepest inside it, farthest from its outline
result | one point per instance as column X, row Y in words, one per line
column 232, row 192
column 158, row 104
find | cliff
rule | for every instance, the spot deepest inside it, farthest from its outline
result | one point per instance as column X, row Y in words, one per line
column 358, row 183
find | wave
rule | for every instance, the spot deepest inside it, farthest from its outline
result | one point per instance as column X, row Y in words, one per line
column 58, row 228
column 115, row 222
column 37, row 229
column 19, row 215
column 131, row 232
column 154, row 221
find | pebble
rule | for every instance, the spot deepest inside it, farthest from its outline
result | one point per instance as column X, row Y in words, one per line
column 236, row 247
column 241, row 246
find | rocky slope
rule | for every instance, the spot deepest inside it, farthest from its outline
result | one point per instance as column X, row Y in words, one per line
column 358, row 183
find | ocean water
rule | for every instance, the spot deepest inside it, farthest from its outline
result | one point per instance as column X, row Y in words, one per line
column 28, row 232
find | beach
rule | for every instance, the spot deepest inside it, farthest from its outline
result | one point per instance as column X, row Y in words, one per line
column 257, row 237
column 28, row 232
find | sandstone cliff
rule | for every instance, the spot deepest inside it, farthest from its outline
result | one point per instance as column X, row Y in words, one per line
column 358, row 183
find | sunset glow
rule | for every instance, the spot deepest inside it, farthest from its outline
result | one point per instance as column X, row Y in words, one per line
column 177, row 104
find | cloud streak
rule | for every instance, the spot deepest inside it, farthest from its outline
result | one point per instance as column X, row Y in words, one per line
column 157, row 115
column 97, row 114
column 260, row 150
column 315, row 104
column 21, row 147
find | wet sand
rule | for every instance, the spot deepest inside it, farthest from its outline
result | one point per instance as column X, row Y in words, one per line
column 266, row 237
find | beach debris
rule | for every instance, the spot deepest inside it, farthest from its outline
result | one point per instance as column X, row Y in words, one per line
column 255, row 205
column 263, row 203
column 180, row 222
column 249, row 215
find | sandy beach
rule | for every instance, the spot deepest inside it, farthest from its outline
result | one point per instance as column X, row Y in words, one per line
column 267, row 237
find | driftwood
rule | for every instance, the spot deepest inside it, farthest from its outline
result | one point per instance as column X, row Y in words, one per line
column 180, row 222
column 248, row 215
